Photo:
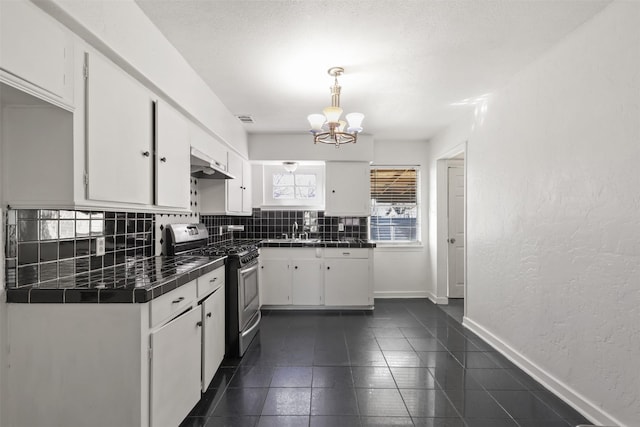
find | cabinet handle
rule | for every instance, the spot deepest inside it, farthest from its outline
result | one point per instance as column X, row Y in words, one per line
column 346, row 253
column 296, row 267
column 175, row 301
column 209, row 314
column 163, row 159
column 199, row 324
column 213, row 280
column 146, row 153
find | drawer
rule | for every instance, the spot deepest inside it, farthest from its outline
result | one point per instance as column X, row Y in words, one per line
column 346, row 253
column 211, row 281
column 166, row 306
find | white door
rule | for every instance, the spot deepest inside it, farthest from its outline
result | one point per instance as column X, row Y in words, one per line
column 346, row 282
column 275, row 282
column 235, row 186
column 213, row 340
column 307, row 282
column 455, row 259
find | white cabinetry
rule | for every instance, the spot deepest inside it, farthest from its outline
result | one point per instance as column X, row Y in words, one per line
column 306, row 282
column 172, row 158
column 119, row 135
column 175, row 377
column 37, row 52
column 347, row 189
column 229, row 196
column 115, row 364
column 275, row 280
column 347, row 277
column 291, row 276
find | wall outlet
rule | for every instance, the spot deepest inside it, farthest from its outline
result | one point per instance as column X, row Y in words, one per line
column 340, row 226
column 100, row 246
column 220, row 231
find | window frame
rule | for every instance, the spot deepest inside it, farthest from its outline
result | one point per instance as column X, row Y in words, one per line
column 418, row 206
column 316, row 203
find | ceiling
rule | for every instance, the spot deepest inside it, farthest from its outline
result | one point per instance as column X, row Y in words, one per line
column 412, row 67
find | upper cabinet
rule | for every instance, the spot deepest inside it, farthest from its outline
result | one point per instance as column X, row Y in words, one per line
column 347, row 189
column 172, row 158
column 228, row 196
column 37, row 52
column 119, row 131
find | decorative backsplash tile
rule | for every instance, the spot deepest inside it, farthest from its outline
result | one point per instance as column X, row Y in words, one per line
column 46, row 245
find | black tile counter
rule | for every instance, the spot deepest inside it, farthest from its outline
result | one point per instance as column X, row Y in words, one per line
column 287, row 243
column 137, row 281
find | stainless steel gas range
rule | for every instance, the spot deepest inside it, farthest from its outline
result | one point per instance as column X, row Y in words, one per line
column 242, row 283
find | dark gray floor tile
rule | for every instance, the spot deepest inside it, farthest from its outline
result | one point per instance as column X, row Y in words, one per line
column 241, row 401
column 327, row 401
column 426, row 344
column 207, row 402
column 237, row 421
column 292, row 377
column 363, row 344
column 330, row 358
column 559, row 407
column 488, row 422
column 287, row 401
column 372, row 377
column 495, row 379
column 395, row 344
column 476, row 404
column 334, row 421
column 386, row 421
column 438, row 422
column 547, row 423
column 474, row 360
column 428, row 403
column 222, row 377
column 380, row 402
column 252, row 376
column 391, row 332
column 283, row 421
column 437, row 358
column 413, row 378
column 332, row 377
column 367, row 358
column 194, row 422
column 406, row 359
column 418, row 332
column 454, row 377
column 523, row 404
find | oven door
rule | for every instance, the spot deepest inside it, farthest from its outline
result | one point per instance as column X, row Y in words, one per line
column 248, row 297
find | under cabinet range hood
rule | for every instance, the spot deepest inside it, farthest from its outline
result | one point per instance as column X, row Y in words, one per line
column 204, row 167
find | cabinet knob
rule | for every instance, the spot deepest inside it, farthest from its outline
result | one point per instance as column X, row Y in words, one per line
column 163, row 159
column 146, row 153
column 333, row 191
column 209, row 314
column 262, row 266
column 199, row 324
column 328, row 268
column 296, row 267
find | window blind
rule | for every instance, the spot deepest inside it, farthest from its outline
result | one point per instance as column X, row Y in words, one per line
column 394, row 207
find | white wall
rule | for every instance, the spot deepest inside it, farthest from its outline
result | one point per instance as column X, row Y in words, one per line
column 554, row 217
column 301, row 147
column 404, row 272
column 121, row 31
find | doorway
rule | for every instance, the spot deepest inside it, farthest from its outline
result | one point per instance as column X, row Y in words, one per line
column 455, row 228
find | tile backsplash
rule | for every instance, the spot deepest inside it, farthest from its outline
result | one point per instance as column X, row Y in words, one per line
column 44, row 245
column 271, row 224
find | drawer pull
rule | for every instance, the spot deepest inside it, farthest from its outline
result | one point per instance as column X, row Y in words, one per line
column 213, row 280
column 209, row 314
column 176, row 301
column 346, row 253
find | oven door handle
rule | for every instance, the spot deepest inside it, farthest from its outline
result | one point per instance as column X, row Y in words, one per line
column 250, row 269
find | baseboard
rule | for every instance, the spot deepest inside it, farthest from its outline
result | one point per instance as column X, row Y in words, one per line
column 400, row 294
column 557, row 387
column 437, row 300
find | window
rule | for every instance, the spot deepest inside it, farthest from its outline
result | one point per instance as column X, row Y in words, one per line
column 302, row 188
column 395, row 209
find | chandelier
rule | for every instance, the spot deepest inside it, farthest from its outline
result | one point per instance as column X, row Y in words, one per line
column 327, row 128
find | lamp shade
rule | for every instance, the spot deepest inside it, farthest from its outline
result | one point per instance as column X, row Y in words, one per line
column 332, row 114
column 355, row 121
column 290, row 166
column 316, row 121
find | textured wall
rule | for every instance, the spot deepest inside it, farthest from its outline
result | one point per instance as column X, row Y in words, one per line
column 554, row 217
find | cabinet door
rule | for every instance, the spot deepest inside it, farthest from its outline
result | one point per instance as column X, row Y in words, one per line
column 347, row 282
column 172, row 158
column 175, row 369
column 347, row 189
column 246, row 187
column 212, row 335
column 307, row 282
column 34, row 47
column 235, row 187
column 275, row 282
column 119, row 135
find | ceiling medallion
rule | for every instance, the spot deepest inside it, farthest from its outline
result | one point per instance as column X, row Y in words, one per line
column 327, row 128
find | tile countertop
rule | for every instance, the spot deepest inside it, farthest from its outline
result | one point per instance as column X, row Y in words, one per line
column 288, row 243
column 136, row 281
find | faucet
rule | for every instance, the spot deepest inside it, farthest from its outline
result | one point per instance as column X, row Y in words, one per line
column 294, row 228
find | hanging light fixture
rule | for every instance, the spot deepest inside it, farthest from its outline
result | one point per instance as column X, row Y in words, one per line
column 290, row 166
column 327, row 128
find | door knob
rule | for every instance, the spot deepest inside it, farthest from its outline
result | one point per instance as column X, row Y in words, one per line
column 451, row 240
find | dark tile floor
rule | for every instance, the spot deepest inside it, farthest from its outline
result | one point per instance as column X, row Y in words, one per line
column 407, row 363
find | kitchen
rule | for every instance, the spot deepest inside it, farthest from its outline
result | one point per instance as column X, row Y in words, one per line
column 105, row 39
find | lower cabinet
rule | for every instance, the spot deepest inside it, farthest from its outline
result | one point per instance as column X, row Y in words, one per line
column 310, row 277
column 175, row 368
column 114, row 364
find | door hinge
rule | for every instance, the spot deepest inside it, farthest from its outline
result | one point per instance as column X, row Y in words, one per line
column 86, row 178
column 85, row 71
